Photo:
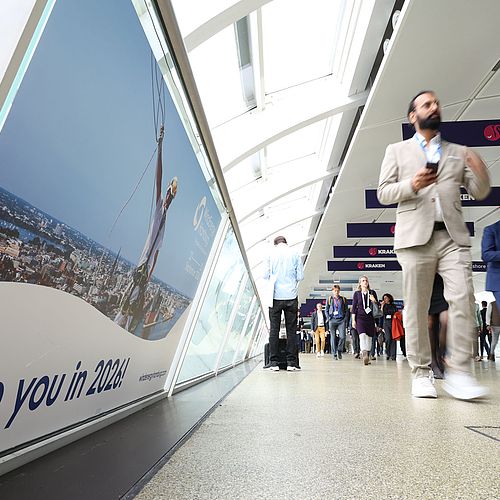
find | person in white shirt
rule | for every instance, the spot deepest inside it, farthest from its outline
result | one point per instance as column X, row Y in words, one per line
column 283, row 266
column 319, row 325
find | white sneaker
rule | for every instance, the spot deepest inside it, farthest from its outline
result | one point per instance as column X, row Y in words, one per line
column 322, row 354
column 423, row 387
column 463, row 386
column 292, row 368
column 275, row 368
column 318, row 354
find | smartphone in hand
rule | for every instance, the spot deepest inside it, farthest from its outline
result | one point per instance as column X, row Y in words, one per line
column 433, row 167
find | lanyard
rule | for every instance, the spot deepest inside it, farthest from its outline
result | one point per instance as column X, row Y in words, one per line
column 363, row 298
column 336, row 304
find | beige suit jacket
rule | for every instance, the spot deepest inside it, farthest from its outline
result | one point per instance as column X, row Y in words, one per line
column 415, row 213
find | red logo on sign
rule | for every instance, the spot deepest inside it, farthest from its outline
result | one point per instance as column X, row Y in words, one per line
column 393, row 228
column 373, row 251
column 360, row 265
column 492, row 132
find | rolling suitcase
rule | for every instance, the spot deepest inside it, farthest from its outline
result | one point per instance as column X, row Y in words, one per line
column 282, row 363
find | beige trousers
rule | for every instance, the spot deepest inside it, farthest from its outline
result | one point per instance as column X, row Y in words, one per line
column 319, row 335
column 442, row 255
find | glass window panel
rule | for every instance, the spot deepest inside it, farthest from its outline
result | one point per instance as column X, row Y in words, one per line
column 298, row 41
column 191, row 14
column 236, row 331
column 247, row 334
column 260, row 339
column 217, row 74
column 213, row 320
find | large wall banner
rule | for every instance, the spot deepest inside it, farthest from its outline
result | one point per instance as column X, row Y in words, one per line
column 391, row 265
column 380, row 229
column 492, row 200
column 106, row 224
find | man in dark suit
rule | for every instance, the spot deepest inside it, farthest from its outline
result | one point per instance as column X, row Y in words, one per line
column 490, row 253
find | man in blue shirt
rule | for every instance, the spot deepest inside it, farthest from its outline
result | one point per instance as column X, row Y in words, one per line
column 283, row 266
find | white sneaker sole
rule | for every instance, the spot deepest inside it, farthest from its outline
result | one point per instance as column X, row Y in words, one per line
column 466, row 394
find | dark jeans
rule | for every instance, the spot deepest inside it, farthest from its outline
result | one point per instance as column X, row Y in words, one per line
column 355, row 340
column 483, row 337
column 402, row 345
column 390, row 344
column 374, row 345
column 289, row 308
column 337, row 326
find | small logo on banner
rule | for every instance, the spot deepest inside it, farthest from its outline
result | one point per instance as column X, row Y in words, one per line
column 373, row 252
column 492, row 132
column 393, row 228
column 361, row 266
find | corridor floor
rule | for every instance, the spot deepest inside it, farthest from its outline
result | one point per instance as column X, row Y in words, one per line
column 338, row 429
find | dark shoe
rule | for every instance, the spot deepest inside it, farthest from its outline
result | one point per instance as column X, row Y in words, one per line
column 357, row 355
column 340, row 355
column 393, row 359
column 437, row 373
column 373, row 358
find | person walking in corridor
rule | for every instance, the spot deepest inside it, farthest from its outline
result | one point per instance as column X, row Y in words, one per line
column 319, row 325
column 337, row 313
column 283, row 267
column 423, row 175
column 362, row 316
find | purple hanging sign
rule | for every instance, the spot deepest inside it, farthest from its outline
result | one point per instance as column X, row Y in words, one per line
column 472, row 133
column 346, row 265
column 364, row 252
column 391, row 265
column 380, row 229
column 492, row 200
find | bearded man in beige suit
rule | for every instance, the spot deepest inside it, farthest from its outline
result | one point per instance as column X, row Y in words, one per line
column 423, row 175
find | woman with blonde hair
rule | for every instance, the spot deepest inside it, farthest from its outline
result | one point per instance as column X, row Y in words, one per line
column 363, row 303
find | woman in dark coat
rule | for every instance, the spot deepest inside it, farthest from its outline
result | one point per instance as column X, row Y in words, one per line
column 388, row 310
column 362, row 316
column 438, row 323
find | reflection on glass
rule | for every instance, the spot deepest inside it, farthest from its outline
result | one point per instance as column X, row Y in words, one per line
column 215, row 314
column 237, row 326
column 260, row 338
column 247, row 334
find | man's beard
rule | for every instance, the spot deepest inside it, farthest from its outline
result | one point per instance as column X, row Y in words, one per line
column 430, row 123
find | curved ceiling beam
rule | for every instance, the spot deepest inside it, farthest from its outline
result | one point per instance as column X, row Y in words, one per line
column 275, row 230
column 276, row 198
column 222, row 20
column 291, row 111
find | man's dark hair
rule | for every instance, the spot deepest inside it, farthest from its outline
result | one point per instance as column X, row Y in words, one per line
column 279, row 239
column 411, row 106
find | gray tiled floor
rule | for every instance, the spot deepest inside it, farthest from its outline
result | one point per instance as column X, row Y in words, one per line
column 339, row 430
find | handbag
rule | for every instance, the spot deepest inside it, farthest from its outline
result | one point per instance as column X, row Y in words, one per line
column 376, row 311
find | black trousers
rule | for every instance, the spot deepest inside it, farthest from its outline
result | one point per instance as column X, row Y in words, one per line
column 390, row 344
column 483, row 342
column 289, row 308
